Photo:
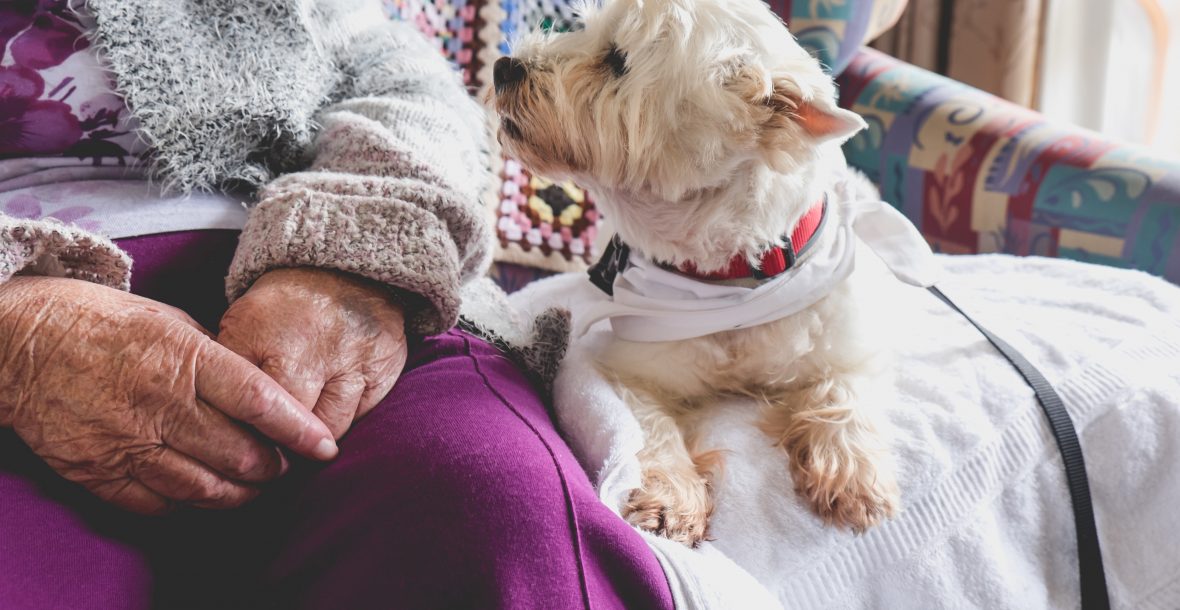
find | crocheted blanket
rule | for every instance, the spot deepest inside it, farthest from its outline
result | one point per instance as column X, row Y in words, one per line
column 539, row 224
column 985, row 520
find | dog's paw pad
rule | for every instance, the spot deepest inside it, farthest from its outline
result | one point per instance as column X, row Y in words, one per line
column 650, row 513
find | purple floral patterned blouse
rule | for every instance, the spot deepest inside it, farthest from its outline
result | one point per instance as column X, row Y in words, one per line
column 69, row 148
column 55, row 99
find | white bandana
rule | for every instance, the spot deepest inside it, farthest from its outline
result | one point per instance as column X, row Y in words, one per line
column 653, row 304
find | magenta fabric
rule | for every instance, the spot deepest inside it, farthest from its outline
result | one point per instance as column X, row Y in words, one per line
column 186, row 269
column 455, row 492
column 57, row 548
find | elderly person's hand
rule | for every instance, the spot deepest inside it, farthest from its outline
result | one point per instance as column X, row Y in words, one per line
column 335, row 341
column 136, row 402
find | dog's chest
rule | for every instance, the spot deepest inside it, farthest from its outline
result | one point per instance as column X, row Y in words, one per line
column 770, row 356
column 765, row 359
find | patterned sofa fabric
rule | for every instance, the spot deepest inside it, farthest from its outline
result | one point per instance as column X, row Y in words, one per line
column 980, row 174
column 835, row 30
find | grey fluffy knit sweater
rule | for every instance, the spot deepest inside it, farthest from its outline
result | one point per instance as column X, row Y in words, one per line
column 367, row 154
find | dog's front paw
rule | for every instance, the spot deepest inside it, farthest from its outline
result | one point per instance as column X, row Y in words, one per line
column 677, row 512
column 845, row 490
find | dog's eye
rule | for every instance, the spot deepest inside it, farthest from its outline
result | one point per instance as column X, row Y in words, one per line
column 616, row 60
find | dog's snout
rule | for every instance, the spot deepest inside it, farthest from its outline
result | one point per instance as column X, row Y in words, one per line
column 508, row 71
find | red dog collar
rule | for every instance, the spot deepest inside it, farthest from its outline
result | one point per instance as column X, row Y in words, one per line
column 777, row 259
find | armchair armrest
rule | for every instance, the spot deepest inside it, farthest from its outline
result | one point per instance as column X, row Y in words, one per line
column 979, row 174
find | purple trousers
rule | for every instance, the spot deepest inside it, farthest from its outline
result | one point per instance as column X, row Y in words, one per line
column 455, row 492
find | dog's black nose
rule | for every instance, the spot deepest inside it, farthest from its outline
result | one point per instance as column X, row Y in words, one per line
column 508, row 71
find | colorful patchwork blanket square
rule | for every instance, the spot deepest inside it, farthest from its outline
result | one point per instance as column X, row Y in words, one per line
column 538, row 224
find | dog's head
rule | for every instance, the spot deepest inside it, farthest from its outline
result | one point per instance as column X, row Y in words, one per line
column 661, row 103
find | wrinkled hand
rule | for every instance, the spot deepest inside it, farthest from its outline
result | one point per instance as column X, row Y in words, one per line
column 136, row 402
column 335, row 341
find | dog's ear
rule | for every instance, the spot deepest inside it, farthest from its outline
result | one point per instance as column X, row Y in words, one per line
column 825, row 121
column 818, row 116
column 785, row 116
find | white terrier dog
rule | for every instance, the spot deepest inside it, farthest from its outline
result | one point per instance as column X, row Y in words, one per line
column 711, row 139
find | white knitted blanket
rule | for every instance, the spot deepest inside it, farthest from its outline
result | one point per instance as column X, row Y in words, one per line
column 986, row 520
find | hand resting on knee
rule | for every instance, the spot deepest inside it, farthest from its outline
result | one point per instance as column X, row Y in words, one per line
column 136, row 402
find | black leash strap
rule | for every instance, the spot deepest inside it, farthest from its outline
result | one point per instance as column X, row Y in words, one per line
column 1093, row 578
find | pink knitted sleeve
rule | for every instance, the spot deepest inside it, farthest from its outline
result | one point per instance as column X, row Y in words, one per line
column 394, row 191
column 47, row 247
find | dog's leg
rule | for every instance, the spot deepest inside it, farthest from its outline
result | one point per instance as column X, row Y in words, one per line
column 675, row 500
column 838, row 457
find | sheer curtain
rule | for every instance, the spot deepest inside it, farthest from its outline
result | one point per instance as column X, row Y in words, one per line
column 988, row 44
column 1109, row 65
column 1114, row 66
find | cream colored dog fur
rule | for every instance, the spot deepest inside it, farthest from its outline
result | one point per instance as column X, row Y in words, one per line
column 704, row 130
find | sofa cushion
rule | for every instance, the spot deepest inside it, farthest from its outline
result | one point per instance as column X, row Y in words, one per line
column 833, row 30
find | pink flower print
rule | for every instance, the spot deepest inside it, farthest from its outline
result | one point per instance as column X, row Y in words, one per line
column 74, row 215
column 29, row 207
column 43, row 33
column 15, row 18
column 17, row 83
column 47, row 43
column 23, row 206
column 29, row 125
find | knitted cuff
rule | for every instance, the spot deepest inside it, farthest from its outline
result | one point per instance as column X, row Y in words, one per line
column 390, row 241
column 46, row 247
